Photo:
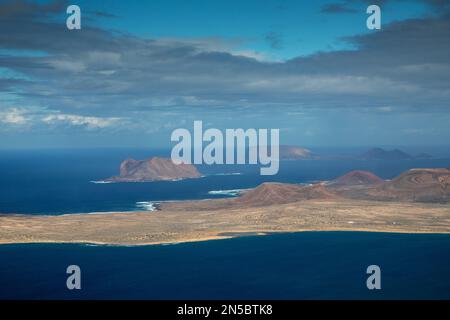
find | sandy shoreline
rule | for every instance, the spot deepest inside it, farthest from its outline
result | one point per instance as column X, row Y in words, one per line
column 217, row 238
column 184, row 222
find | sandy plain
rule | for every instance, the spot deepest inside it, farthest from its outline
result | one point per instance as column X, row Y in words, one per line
column 207, row 220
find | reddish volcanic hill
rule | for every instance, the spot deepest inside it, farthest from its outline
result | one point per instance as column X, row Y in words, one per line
column 154, row 169
column 356, row 178
column 419, row 178
column 421, row 185
column 278, row 193
column 428, row 185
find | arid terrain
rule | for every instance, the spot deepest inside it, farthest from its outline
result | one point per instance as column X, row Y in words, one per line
column 167, row 226
column 414, row 202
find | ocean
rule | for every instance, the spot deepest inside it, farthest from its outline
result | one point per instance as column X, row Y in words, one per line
column 62, row 181
column 307, row 265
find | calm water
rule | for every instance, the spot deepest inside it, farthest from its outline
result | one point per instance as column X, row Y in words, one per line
column 310, row 265
column 56, row 182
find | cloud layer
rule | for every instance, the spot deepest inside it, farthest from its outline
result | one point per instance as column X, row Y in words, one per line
column 99, row 78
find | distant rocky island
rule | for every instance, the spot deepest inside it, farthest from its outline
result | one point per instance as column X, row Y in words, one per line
column 295, row 153
column 289, row 152
column 154, row 169
column 395, row 154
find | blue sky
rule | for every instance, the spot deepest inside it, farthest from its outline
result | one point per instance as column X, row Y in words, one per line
column 139, row 69
column 300, row 27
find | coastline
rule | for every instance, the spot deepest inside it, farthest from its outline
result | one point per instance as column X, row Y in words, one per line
column 184, row 223
column 262, row 234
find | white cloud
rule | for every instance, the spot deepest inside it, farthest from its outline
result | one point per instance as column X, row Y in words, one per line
column 76, row 120
column 13, row 116
column 233, row 46
column 260, row 56
column 329, row 84
column 68, row 65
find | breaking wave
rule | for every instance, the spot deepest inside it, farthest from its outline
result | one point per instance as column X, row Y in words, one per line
column 232, row 192
column 101, row 181
column 147, row 205
column 228, row 174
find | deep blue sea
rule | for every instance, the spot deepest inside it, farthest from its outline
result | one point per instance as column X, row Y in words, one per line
column 309, row 265
column 60, row 181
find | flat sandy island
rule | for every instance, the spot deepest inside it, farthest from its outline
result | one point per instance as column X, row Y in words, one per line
column 188, row 221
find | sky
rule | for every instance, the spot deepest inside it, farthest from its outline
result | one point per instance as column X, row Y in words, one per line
column 137, row 70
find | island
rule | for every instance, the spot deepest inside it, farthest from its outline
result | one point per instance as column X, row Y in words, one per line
column 154, row 169
column 417, row 201
column 381, row 154
column 288, row 152
column 395, row 154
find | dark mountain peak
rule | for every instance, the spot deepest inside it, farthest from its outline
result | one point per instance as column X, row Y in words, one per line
column 381, row 154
